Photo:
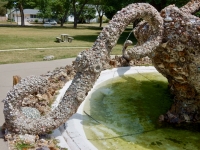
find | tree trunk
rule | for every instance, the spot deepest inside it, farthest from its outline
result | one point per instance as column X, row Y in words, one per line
column 62, row 21
column 100, row 20
column 22, row 14
column 75, row 14
column 75, row 22
column 64, row 17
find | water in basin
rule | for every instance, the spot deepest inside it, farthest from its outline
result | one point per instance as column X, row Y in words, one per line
column 123, row 115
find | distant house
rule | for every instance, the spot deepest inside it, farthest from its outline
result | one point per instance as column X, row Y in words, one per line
column 3, row 18
column 71, row 19
column 30, row 15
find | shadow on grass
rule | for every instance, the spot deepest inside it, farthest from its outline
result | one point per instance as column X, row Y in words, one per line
column 87, row 38
column 121, row 40
column 53, row 27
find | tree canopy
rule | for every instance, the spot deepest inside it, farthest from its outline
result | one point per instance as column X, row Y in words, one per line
column 59, row 9
column 116, row 5
column 2, row 8
column 44, row 7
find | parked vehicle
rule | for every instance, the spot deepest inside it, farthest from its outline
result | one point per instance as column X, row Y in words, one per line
column 52, row 22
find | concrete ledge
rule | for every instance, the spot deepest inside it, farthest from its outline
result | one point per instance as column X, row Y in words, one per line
column 74, row 135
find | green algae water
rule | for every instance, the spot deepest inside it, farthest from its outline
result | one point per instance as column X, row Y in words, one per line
column 123, row 115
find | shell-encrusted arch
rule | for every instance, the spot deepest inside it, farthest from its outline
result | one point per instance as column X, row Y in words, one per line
column 88, row 65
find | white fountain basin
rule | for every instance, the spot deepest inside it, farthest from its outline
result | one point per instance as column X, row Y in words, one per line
column 71, row 135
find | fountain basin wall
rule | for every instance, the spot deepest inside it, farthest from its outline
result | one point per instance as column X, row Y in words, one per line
column 72, row 133
column 105, row 121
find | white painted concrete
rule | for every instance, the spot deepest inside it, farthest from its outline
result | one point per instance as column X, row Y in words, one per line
column 73, row 136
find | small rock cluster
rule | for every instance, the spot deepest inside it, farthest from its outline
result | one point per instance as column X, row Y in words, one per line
column 38, row 103
column 50, row 57
column 32, row 142
column 35, row 101
column 56, row 80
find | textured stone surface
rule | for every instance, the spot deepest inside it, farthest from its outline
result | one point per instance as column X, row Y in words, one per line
column 174, row 52
column 88, row 66
column 30, row 112
column 177, row 57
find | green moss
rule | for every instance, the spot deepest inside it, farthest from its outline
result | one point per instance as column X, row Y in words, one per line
column 22, row 145
column 128, row 108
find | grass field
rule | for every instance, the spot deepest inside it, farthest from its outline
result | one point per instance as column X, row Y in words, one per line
column 32, row 37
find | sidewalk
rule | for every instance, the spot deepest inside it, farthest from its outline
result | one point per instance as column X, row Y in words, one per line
column 25, row 49
column 23, row 69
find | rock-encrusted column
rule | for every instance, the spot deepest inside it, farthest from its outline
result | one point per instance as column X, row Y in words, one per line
column 177, row 58
column 88, row 64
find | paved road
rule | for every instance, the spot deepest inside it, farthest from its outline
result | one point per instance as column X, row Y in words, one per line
column 23, row 69
column 39, row 48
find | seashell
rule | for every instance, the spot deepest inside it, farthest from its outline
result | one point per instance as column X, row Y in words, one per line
column 192, row 20
column 162, row 13
column 128, row 43
column 161, row 66
column 177, row 25
column 80, row 96
column 97, row 68
column 180, row 47
column 182, row 93
column 78, row 58
column 182, row 22
column 182, row 59
column 164, row 45
column 168, row 19
column 175, row 36
column 153, row 54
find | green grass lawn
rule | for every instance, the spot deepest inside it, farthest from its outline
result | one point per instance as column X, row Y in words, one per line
column 17, row 37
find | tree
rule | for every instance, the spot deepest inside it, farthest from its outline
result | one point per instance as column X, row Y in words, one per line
column 2, row 11
column 116, row 5
column 78, row 6
column 197, row 14
column 60, row 9
column 90, row 12
column 2, row 8
column 20, row 4
column 44, row 9
column 100, row 6
column 87, row 14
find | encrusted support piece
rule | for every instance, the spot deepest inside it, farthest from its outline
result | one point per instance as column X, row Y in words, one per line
column 88, row 64
column 191, row 7
column 177, row 57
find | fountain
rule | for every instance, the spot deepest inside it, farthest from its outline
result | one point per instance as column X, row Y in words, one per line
column 123, row 120
column 170, row 38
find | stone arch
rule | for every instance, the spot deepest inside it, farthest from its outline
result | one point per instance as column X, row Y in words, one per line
column 88, row 65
